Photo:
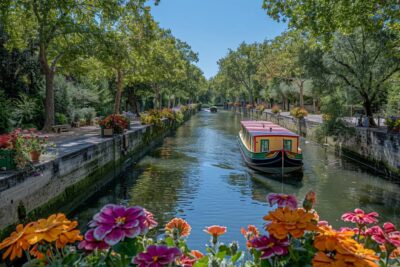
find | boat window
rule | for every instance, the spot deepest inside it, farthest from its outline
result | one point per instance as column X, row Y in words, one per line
column 264, row 145
column 287, row 145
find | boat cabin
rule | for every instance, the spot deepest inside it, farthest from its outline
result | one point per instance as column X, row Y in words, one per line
column 264, row 136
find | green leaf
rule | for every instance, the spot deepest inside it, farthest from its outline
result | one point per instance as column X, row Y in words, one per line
column 170, row 242
column 236, row 257
column 128, row 247
column 265, row 263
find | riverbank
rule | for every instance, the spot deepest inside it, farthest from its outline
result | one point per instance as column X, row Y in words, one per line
column 377, row 150
column 81, row 167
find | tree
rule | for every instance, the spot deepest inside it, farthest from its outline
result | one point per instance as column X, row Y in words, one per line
column 281, row 61
column 240, row 66
column 121, row 42
column 364, row 64
column 324, row 18
column 58, row 28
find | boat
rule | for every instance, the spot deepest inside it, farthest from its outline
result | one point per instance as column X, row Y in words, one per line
column 213, row 109
column 270, row 148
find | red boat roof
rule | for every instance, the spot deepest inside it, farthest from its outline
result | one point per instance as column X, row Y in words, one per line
column 257, row 128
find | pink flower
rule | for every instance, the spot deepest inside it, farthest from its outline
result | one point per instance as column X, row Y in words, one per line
column 186, row 261
column 157, row 256
column 150, row 222
column 114, row 222
column 90, row 243
column 360, row 217
column 282, row 200
column 388, row 235
column 270, row 246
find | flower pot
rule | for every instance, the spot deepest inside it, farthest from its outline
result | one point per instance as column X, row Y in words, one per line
column 107, row 132
column 35, row 156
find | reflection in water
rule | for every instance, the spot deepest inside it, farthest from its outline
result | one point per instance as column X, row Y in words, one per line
column 198, row 174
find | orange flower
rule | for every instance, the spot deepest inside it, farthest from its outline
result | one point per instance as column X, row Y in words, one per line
column 322, row 260
column 37, row 253
column 179, row 224
column 356, row 255
column 48, row 229
column 70, row 235
column 215, row 230
column 285, row 221
column 395, row 253
column 197, row 254
column 329, row 239
column 251, row 233
column 16, row 242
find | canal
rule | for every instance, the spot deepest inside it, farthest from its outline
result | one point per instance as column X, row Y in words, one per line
column 198, row 174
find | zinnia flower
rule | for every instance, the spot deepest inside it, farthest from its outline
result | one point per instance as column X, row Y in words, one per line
column 157, row 256
column 48, row 229
column 16, row 242
column 197, row 254
column 150, row 222
column 90, row 243
column 282, row 200
column 180, row 225
column 360, row 217
column 114, row 222
column 386, row 236
column 251, row 233
column 215, row 230
column 270, row 246
column 284, row 221
column 69, row 235
column 329, row 239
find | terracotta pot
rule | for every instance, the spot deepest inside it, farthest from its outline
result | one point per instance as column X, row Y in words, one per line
column 35, row 156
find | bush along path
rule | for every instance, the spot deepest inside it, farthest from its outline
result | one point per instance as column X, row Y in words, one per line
column 292, row 236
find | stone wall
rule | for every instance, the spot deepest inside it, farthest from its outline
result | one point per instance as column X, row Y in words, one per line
column 378, row 150
column 61, row 184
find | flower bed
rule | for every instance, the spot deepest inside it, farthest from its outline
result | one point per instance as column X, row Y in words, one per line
column 155, row 116
column 294, row 236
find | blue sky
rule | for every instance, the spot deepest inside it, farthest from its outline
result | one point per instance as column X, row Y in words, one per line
column 211, row 27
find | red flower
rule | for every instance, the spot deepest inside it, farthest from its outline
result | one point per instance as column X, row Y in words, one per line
column 360, row 217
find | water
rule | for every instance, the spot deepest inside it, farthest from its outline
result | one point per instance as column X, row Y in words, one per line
column 198, row 174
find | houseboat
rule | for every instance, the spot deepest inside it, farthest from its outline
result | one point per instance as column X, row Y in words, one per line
column 270, row 148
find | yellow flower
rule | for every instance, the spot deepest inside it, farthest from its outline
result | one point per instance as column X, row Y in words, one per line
column 286, row 221
column 16, row 242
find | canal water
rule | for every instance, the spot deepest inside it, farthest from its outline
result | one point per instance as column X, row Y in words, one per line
column 198, row 174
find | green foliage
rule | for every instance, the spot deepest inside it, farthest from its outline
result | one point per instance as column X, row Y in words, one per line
column 25, row 112
column 5, row 111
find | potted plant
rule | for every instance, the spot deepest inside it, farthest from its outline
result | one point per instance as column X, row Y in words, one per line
column 113, row 124
column 33, row 144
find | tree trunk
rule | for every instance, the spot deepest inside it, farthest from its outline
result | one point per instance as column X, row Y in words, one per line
column 118, row 95
column 251, row 97
column 302, row 94
column 49, row 77
column 368, row 111
column 134, row 102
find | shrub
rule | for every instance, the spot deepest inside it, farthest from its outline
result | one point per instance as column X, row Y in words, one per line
column 299, row 113
column 393, row 124
column 25, row 111
column 249, row 106
column 61, row 118
column 5, row 111
column 261, row 107
column 275, row 109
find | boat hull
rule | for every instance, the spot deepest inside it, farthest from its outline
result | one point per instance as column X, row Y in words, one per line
column 271, row 165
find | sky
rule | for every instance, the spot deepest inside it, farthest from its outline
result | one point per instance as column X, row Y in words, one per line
column 211, row 27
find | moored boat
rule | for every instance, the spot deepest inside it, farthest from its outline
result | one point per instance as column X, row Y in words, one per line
column 213, row 109
column 270, row 148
